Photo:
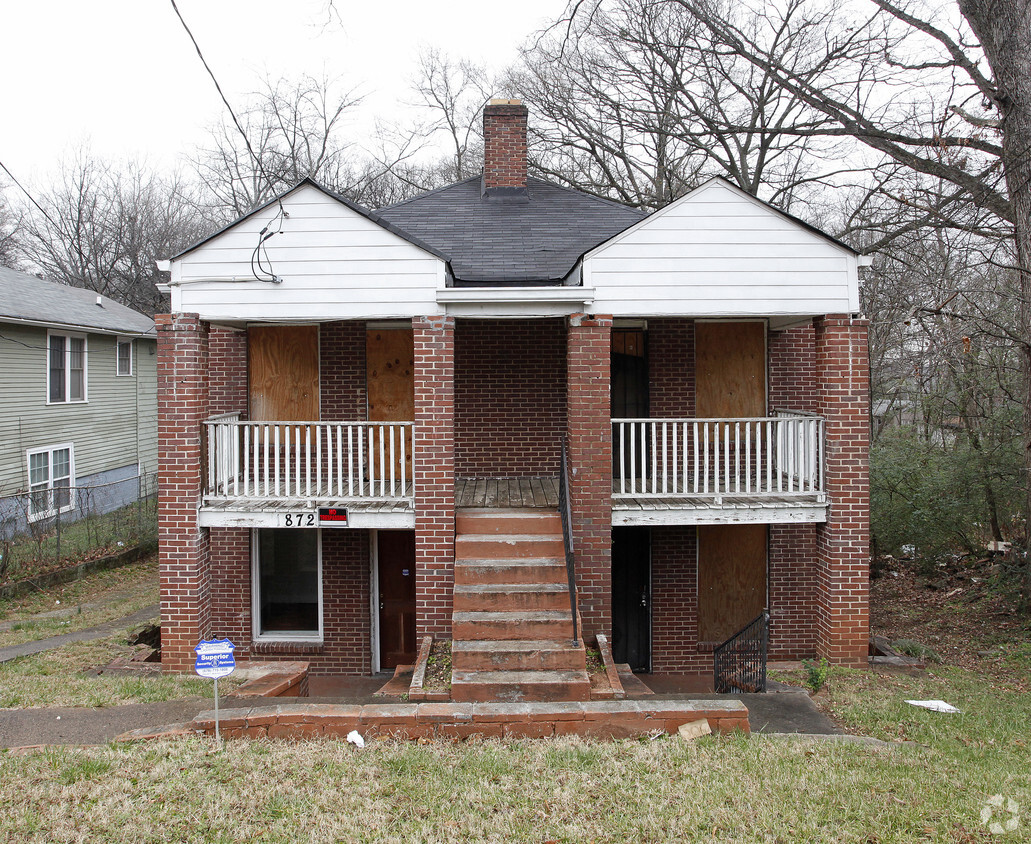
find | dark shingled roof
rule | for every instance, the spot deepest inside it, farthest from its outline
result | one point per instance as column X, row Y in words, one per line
column 536, row 236
column 24, row 297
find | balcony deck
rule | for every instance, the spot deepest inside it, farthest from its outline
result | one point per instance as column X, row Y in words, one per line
column 667, row 472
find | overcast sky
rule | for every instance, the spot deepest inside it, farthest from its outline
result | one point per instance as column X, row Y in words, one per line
column 123, row 76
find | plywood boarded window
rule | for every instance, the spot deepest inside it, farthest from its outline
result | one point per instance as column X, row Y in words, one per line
column 730, row 369
column 390, row 383
column 731, row 579
column 284, row 373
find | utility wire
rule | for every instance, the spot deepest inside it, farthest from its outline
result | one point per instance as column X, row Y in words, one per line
column 32, row 199
column 229, row 108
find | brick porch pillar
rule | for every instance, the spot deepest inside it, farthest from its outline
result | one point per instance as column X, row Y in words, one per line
column 433, row 468
column 183, row 552
column 843, row 542
column 589, row 425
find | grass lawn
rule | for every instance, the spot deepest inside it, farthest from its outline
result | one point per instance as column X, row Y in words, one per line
column 62, row 677
column 717, row 788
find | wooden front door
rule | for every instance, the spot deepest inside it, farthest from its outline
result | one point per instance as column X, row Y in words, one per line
column 632, row 597
column 396, row 556
column 731, row 579
column 284, row 373
column 390, row 384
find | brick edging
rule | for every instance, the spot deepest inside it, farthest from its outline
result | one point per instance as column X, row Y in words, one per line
column 599, row 719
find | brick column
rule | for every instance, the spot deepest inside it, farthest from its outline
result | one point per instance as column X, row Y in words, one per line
column 183, row 553
column 843, row 542
column 433, row 468
column 589, row 425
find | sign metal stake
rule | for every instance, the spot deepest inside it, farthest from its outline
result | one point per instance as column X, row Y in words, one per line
column 214, row 660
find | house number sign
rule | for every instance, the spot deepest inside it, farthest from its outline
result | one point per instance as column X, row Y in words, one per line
column 324, row 517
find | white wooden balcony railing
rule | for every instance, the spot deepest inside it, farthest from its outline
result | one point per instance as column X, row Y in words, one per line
column 290, row 461
column 779, row 456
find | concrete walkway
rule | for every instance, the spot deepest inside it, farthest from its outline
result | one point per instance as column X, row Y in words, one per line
column 87, row 635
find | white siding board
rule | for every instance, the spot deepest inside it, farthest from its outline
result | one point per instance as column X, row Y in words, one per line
column 335, row 264
column 720, row 252
column 311, row 264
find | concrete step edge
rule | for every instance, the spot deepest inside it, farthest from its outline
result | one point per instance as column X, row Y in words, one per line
column 526, row 678
column 502, row 645
column 508, row 617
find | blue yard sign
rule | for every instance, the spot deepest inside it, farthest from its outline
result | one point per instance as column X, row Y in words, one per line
column 215, row 658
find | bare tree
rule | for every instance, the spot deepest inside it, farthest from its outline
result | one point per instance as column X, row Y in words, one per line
column 105, row 226
column 296, row 129
column 10, row 233
column 638, row 101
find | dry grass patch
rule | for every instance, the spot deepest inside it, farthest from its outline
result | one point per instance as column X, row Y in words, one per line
column 717, row 788
column 61, row 677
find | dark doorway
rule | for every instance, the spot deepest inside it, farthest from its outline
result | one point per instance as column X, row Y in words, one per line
column 632, row 597
column 396, row 556
column 629, row 376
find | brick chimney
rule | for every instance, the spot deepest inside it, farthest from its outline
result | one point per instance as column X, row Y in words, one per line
column 504, row 141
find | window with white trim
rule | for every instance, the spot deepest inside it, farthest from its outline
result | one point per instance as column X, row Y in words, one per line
column 123, row 353
column 50, row 480
column 287, row 584
column 66, row 368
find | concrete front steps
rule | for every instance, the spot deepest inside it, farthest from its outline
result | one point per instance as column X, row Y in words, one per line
column 512, row 628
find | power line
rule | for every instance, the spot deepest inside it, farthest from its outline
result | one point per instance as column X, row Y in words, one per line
column 32, row 199
column 229, row 108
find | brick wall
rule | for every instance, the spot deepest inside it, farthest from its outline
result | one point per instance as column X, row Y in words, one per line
column 510, row 397
column 347, row 634
column 792, row 591
column 504, row 144
column 434, row 470
column 588, row 349
column 793, row 377
column 675, row 602
column 183, row 550
column 227, row 370
column 843, row 542
column 342, row 371
column 671, row 368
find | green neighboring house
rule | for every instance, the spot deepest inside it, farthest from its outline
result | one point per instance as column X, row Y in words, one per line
column 78, row 402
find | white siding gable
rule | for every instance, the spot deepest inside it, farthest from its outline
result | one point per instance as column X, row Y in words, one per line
column 720, row 252
column 334, row 262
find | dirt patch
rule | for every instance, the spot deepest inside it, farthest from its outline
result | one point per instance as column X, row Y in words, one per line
column 438, row 668
column 594, row 662
column 956, row 612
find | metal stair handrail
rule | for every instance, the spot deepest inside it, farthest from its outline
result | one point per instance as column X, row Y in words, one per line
column 566, row 514
column 739, row 664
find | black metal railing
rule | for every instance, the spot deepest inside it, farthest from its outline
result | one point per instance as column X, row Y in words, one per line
column 739, row 664
column 566, row 514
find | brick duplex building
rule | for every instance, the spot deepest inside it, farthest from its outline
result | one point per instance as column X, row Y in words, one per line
column 362, row 418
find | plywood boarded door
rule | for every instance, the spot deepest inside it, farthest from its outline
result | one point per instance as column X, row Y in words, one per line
column 284, row 373
column 390, row 382
column 730, row 369
column 731, row 579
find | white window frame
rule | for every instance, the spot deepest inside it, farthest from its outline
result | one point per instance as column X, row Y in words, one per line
column 51, row 511
column 68, row 336
column 119, row 343
column 298, row 637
